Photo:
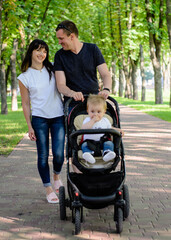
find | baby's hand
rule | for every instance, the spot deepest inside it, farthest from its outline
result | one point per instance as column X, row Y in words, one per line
column 95, row 118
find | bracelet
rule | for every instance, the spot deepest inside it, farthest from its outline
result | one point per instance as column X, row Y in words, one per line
column 106, row 89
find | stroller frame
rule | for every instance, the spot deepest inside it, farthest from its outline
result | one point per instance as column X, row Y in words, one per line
column 116, row 191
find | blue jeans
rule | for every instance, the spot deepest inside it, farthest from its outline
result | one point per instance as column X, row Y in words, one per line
column 108, row 145
column 42, row 127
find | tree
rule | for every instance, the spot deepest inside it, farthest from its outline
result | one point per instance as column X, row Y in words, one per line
column 134, row 64
column 4, row 109
column 125, row 64
column 155, row 25
column 117, row 27
column 14, row 83
column 142, row 73
column 168, row 17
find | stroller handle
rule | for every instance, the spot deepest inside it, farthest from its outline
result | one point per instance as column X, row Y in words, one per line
column 70, row 100
column 95, row 131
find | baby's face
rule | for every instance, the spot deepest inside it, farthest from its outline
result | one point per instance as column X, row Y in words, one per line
column 96, row 110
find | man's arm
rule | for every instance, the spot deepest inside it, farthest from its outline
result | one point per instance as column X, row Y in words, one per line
column 119, row 130
column 66, row 91
column 107, row 80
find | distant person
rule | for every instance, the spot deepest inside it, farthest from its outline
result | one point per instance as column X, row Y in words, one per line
column 38, row 90
column 96, row 108
column 76, row 65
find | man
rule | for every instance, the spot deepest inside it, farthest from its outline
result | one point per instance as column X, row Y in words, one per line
column 76, row 63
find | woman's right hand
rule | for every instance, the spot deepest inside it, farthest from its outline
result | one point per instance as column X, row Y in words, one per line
column 31, row 134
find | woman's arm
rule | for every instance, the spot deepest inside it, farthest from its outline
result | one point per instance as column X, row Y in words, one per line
column 26, row 109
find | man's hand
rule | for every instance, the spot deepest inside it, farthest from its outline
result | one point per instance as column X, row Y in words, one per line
column 104, row 93
column 119, row 130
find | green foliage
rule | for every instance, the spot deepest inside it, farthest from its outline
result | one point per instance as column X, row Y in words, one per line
column 161, row 111
column 97, row 22
column 12, row 128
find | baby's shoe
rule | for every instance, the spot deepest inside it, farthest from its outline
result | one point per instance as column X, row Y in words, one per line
column 88, row 157
column 108, row 155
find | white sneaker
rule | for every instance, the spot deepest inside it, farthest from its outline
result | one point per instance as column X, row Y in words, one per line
column 108, row 155
column 88, row 157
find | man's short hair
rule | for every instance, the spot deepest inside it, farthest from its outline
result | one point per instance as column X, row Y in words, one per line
column 68, row 27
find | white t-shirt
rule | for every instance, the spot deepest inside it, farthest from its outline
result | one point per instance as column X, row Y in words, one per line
column 45, row 100
column 103, row 123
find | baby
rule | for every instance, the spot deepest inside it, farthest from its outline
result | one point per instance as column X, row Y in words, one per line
column 96, row 108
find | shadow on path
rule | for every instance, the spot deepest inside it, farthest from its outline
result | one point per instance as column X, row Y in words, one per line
column 25, row 214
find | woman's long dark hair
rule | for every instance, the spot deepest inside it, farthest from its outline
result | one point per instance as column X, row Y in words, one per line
column 27, row 62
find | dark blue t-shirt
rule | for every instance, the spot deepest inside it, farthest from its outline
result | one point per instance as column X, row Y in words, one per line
column 80, row 69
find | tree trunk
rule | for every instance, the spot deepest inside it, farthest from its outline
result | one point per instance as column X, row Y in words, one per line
column 170, row 79
column 0, row 28
column 125, row 65
column 164, row 73
column 22, row 44
column 113, row 66
column 14, row 84
column 112, row 71
column 155, row 50
column 134, row 79
column 158, row 82
column 4, row 109
column 168, row 18
column 143, row 89
column 121, row 82
column 0, row 38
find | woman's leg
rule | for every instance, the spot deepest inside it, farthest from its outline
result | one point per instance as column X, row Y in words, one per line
column 58, row 139
column 41, row 128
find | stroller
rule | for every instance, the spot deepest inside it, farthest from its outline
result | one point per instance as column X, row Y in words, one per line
column 96, row 185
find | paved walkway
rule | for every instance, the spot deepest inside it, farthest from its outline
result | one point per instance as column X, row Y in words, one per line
column 25, row 214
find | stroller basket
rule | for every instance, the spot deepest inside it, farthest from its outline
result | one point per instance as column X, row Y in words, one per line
column 97, row 185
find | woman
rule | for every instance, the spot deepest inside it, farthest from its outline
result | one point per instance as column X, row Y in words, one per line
column 38, row 90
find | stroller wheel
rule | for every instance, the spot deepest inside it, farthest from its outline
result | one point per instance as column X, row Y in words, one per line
column 119, row 220
column 62, row 203
column 77, row 221
column 127, row 201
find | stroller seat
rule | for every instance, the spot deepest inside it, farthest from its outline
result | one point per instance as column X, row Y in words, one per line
column 74, row 124
column 78, row 121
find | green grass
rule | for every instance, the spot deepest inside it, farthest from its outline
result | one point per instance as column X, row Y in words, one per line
column 162, row 111
column 13, row 125
column 12, row 128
